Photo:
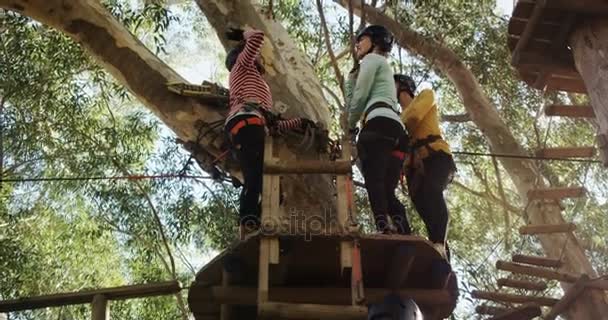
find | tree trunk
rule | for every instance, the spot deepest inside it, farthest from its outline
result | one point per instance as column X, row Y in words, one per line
column 524, row 174
column 590, row 47
column 295, row 88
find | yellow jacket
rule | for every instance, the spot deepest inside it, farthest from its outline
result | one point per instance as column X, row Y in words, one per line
column 421, row 119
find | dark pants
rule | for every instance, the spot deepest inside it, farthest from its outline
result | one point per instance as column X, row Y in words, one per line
column 249, row 146
column 427, row 193
column 378, row 139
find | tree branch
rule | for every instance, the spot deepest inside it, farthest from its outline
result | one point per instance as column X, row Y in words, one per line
column 330, row 50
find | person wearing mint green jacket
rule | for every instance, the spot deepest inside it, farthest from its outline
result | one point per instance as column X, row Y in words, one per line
column 371, row 100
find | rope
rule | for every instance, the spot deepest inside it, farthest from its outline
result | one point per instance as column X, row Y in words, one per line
column 90, row 178
column 516, row 156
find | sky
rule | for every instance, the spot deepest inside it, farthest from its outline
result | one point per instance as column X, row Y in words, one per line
column 504, row 6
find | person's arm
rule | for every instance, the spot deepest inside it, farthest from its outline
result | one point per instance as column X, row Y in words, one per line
column 288, row 124
column 361, row 91
column 254, row 40
column 418, row 109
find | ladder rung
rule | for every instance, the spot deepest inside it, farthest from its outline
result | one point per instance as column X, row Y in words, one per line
column 556, row 193
column 566, row 152
column 537, row 261
column 512, row 298
column 272, row 310
column 547, row 228
column 490, row 310
column 536, row 271
column 524, row 312
column 274, row 166
column 570, row 111
column 522, row 284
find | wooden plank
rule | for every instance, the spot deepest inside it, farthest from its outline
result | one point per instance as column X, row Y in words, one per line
column 274, row 216
column 569, row 111
column 276, row 310
column 571, row 294
column 602, row 144
column 522, row 284
column 547, row 228
column 542, row 31
column 263, row 269
column 235, row 295
column 561, row 63
column 523, row 10
column 537, row 261
column 528, row 30
column 556, row 193
column 99, row 308
column 356, row 276
column 86, row 296
column 587, row 7
column 536, row 272
column 490, row 310
column 524, row 312
column 599, row 284
column 566, row 152
column 343, row 206
column 278, row 166
column 400, row 266
column 512, row 298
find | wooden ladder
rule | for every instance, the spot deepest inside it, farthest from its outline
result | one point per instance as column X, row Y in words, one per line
column 269, row 243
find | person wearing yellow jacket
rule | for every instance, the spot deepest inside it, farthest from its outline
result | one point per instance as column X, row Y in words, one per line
column 430, row 166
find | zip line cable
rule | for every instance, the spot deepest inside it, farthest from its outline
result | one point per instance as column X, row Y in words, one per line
column 182, row 176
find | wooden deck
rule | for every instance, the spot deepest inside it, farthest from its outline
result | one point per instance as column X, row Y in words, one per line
column 309, row 272
column 538, row 39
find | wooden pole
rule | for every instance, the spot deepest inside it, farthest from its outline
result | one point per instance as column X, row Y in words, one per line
column 547, row 228
column 569, row 111
column 525, row 312
column 512, row 298
column 235, row 295
column 522, row 284
column 537, row 261
column 536, row 272
column 86, row 296
column 99, row 308
column 224, row 308
column 527, row 34
column 489, row 310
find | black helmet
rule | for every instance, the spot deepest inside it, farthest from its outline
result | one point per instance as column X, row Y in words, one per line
column 381, row 37
column 394, row 308
column 405, row 83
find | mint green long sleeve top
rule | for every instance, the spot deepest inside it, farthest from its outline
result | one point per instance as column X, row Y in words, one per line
column 371, row 84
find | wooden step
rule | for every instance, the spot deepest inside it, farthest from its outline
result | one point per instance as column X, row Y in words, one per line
column 524, row 312
column 277, row 310
column 536, row 271
column 537, row 261
column 522, row 284
column 566, row 152
column 512, row 298
column 490, row 310
column 556, row 193
column 277, row 166
column 569, row 111
column 547, row 228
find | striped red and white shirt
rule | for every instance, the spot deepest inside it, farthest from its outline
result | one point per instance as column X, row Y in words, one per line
column 245, row 81
column 247, row 84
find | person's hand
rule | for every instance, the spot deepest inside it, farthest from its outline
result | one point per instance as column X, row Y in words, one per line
column 307, row 123
column 235, row 34
column 352, row 134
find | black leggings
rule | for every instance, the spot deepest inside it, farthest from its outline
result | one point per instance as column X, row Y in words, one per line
column 249, row 145
column 378, row 139
column 427, row 195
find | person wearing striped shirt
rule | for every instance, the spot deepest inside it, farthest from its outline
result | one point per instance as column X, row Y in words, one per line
column 249, row 119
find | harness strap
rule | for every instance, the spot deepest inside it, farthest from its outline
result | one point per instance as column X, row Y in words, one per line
column 249, row 121
column 375, row 106
column 428, row 140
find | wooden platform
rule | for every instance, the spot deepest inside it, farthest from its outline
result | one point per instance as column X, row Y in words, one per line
column 309, row 272
column 538, row 36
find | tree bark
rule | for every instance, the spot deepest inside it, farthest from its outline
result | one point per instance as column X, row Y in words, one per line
column 525, row 174
column 590, row 49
